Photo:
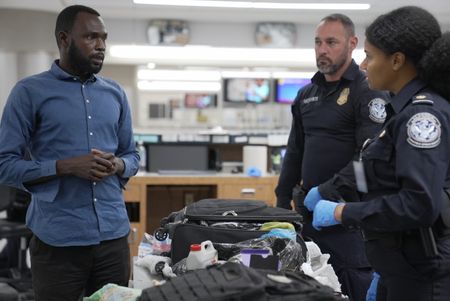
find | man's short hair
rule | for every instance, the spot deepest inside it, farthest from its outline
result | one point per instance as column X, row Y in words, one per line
column 67, row 16
column 344, row 20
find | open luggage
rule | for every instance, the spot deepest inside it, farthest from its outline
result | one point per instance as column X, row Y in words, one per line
column 222, row 221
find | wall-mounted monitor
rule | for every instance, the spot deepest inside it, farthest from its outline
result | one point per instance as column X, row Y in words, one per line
column 177, row 157
column 286, row 88
column 247, row 90
column 200, row 100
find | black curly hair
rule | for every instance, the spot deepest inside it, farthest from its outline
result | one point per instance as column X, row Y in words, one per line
column 66, row 18
column 417, row 34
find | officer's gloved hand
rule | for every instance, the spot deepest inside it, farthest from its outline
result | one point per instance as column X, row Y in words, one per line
column 312, row 198
column 323, row 215
column 372, row 291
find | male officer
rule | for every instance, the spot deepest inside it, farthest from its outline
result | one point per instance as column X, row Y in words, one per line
column 332, row 117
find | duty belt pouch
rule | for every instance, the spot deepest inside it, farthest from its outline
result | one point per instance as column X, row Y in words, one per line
column 442, row 226
column 298, row 196
column 445, row 213
column 192, row 224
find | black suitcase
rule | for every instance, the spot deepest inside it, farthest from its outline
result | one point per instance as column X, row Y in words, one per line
column 191, row 225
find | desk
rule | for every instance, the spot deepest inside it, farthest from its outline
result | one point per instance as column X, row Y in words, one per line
column 233, row 186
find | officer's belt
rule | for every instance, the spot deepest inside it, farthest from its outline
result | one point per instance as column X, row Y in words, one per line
column 375, row 235
column 440, row 229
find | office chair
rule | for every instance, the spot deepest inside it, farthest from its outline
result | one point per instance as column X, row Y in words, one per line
column 17, row 276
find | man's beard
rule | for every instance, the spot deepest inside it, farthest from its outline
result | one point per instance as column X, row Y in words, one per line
column 82, row 65
column 331, row 68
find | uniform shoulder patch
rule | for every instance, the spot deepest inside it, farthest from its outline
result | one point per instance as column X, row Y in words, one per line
column 424, row 130
column 424, row 98
column 377, row 111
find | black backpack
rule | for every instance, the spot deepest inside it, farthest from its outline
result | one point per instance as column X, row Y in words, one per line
column 234, row 282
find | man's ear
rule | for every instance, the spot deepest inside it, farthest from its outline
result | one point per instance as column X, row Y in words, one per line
column 398, row 60
column 63, row 39
column 353, row 42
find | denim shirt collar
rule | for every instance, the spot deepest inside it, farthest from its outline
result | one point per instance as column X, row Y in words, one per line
column 59, row 73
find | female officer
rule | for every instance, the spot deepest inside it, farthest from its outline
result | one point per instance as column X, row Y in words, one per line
column 406, row 167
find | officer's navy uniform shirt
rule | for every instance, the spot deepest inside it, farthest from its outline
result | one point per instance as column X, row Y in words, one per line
column 330, row 123
column 407, row 167
column 407, row 164
column 57, row 117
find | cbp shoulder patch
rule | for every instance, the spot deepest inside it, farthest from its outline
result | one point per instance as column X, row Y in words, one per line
column 424, row 130
column 377, row 111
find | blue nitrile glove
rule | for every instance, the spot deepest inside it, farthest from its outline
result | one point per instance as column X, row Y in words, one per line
column 312, row 198
column 323, row 215
column 372, row 291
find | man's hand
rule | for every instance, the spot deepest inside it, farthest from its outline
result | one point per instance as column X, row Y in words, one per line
column 312, row 198
column 117, row 163
column 94, row 166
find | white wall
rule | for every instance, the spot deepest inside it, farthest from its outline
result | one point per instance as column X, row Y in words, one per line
column 28, row 46
column 8, row 75
column 31, row 30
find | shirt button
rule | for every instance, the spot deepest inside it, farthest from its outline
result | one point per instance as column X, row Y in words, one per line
column 87, row 100
column 91, row 133
column 95, row 199
column 89, row 117
column 94, row 183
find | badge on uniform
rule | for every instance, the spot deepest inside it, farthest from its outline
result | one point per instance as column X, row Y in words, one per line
column 424, row 130
column 343, row 97
column 377, row 110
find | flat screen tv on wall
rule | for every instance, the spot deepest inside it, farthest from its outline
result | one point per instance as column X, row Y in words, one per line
column 247, row 90
column 200, row 100
column 286, row 89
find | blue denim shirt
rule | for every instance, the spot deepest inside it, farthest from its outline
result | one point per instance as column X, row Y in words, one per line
column 56, row 116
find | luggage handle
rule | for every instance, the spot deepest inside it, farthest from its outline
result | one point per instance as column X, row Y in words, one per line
column 231, row 212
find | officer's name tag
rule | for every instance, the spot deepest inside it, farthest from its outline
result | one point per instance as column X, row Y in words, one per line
column 360, row 176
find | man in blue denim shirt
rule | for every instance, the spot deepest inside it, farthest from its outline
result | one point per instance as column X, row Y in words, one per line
column 77, row 127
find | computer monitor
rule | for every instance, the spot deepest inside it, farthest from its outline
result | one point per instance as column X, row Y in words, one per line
column 200, row 100
column 286, row 89
column 247, row 90
column 177, row 157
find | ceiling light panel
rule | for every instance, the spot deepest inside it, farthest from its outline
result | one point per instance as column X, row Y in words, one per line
column 179, row 75
column 221, row 56
column 179, row 86
column 258, row 5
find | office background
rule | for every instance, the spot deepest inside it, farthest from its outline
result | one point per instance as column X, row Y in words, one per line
column 28, row 46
